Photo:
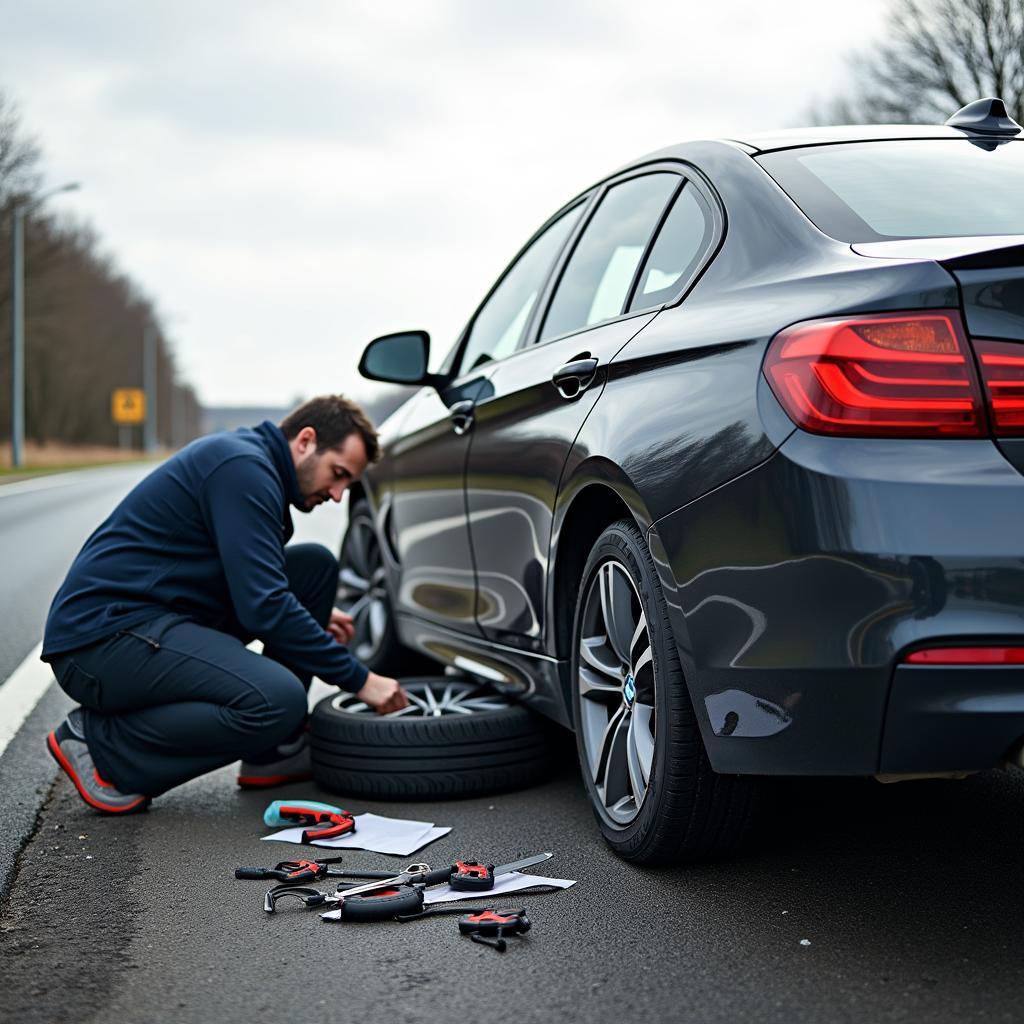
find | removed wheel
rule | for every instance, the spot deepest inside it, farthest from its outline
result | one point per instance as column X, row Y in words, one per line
column 362, row 592
column 653, row 791
column 456, row 738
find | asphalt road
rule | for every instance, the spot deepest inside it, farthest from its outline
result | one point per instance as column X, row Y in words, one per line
column 43, row 523
column 856, row 902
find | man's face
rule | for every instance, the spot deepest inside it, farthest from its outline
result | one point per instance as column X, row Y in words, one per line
column 324, row 476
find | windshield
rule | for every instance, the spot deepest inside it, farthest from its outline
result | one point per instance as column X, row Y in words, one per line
column 933, row 188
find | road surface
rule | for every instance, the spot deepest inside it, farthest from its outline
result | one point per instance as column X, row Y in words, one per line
column 857, row 902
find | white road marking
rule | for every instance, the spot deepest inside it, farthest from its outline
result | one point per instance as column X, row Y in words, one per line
column 21, row 693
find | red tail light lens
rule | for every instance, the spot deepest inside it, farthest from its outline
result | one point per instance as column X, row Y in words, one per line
column 967, row 656
column 888, row 375
column 1002, row 370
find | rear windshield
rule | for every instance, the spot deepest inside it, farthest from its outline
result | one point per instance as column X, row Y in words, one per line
column 874, row 191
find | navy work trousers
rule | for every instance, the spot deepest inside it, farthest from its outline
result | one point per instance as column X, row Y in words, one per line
column 171, row 700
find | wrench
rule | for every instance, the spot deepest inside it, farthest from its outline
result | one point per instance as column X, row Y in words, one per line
column 413, row 874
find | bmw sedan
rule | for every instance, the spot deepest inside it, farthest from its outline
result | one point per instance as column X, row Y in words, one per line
column 725, row 474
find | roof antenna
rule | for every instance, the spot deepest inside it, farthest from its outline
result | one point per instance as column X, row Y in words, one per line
column 986, row 117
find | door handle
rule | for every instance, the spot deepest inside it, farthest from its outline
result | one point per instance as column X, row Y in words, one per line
column 461, row 415
column 575, row 377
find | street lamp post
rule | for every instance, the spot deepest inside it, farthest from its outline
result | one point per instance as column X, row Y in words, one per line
column 18, row 214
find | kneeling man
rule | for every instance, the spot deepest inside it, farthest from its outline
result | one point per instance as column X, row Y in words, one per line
column 148, row 631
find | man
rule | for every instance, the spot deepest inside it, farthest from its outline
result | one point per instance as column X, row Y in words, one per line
column 148, row 631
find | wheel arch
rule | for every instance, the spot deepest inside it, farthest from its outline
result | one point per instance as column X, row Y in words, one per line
column 598, row 494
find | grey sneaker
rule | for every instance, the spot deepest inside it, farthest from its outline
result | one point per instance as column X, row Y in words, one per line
column 288, row 762
column 67, row 745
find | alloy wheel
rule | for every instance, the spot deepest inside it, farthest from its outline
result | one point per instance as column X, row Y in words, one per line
column 436, row 699
column 361, row 587
column 616, row 690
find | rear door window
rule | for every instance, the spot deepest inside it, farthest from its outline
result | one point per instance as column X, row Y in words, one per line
column 677, row 251
column 599, row 275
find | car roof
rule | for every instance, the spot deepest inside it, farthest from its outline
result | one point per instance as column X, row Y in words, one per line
column 754, row 144
column 764, row 142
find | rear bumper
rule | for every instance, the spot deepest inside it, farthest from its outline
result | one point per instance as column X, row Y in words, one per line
column 952, row 719
column 795, row 590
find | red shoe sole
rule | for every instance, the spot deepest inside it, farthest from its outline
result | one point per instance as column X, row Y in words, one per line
column 54, row 747
column 265, row 781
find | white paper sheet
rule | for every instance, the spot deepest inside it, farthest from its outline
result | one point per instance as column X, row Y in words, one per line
column 398, row 837
column 513, row 881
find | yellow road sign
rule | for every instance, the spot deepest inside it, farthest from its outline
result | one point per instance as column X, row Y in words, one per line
column 128, row 405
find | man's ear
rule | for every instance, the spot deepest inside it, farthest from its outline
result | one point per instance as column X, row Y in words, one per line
column 306, row 439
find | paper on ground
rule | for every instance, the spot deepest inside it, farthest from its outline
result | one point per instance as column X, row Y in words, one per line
column 511, row 882
column 398, row 837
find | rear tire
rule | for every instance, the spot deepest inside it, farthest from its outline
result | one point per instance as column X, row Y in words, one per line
column 423, row 755
column 656, row 798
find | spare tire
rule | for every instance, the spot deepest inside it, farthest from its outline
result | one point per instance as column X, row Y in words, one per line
column 456, row 738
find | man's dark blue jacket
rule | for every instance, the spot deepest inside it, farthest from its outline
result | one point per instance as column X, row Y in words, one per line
column 202, row 535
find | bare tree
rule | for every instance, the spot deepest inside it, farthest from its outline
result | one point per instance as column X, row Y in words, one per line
column 937, row 56
column 19, row 155
column 84, row 319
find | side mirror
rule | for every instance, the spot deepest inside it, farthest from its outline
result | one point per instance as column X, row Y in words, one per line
column 398, row 358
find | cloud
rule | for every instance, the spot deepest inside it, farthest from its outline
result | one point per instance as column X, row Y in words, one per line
column 288, row 180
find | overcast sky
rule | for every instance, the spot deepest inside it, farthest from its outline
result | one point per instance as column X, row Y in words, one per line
column 289, row 180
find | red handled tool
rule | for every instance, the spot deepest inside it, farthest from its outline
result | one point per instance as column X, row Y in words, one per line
column 473, row 876
column 294, row 872
column 330, row 824
column 489, row 927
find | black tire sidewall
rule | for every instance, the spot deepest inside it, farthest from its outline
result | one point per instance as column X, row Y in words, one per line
column 624, row 543
column 425, row 757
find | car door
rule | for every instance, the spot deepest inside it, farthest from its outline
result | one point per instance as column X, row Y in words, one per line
column 612, row 285
column 428, row 526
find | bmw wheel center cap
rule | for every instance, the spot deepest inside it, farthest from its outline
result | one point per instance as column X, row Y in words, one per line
column 629, row 691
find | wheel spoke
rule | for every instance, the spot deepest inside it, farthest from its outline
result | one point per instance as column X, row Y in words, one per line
column 479, row 704
column 348, row 577
column 432, row 705
column 643, row 738
column 595, row 687
column 377, row 621
column 591, row 650
column 646, row 658
column 616, row 608
column 612, row 778
column 409, row 709
column 417, row 701
column 637, row 786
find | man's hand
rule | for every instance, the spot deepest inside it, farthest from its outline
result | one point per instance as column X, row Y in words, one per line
column 382, row 694
column 342, row 626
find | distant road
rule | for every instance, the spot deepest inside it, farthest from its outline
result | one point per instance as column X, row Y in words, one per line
column 43, row 523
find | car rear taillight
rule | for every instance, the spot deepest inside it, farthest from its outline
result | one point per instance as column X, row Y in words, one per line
column 887, row 375
column 1002, row 371
column 967, row 656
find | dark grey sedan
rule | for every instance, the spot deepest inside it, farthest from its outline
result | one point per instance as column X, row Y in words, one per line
column 725, row 474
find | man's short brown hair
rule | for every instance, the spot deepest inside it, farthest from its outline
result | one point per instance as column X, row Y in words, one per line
column 333, row 417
